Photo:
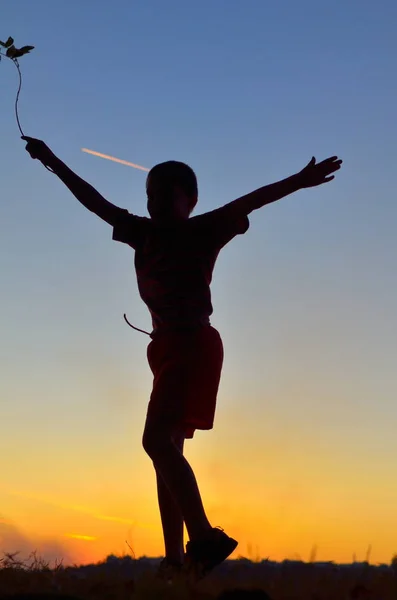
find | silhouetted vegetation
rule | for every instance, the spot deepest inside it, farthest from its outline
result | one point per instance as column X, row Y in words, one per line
column 242, row 579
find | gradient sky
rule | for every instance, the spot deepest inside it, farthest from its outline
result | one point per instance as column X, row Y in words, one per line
column 304, row 444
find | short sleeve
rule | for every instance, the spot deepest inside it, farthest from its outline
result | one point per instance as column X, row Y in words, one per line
column 129, row 229
column 221, row 225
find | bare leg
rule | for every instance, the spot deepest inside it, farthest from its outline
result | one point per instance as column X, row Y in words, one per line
column 178, row 476
column 171, row 516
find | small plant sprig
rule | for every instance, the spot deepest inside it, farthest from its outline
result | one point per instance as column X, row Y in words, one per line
column 13, row 54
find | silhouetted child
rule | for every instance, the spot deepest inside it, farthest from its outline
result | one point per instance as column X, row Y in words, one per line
column 174, row 260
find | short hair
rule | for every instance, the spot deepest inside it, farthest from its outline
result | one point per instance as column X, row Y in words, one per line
column 176, row 173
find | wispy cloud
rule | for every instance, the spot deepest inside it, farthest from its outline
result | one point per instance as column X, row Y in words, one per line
column 78, row 536
column 77, row 508
column 114, row 159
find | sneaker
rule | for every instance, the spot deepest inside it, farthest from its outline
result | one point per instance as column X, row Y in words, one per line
column 203, row 555
column 168, row 570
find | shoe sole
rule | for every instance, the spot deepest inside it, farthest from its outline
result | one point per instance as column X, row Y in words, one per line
column 201, row 570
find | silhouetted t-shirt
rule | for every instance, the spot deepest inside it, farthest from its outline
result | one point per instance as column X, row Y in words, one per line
column 174, row 263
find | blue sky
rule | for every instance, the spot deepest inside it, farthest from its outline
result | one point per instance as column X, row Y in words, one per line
column 246, row 93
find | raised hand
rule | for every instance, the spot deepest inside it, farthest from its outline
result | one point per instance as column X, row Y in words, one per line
column 38, row 149
column 317, row 173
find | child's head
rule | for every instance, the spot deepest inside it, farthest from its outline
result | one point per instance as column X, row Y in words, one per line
column 172, row 192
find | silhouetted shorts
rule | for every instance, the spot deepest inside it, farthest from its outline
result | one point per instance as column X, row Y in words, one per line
column 186, row 367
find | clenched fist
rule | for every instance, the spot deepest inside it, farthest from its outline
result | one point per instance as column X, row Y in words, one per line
column 38, row 149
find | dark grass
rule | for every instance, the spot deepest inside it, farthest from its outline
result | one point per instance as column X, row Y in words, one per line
column 237, row 580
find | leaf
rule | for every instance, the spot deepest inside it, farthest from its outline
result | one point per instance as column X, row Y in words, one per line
column 11, row 51
column 8, row 43
column 25, row 50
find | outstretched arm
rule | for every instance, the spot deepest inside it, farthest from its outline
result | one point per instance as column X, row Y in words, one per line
column 83, row 191
column 313, row 174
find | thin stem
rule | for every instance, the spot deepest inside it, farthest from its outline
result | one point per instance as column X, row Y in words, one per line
column 15, row 61
column 18, row 92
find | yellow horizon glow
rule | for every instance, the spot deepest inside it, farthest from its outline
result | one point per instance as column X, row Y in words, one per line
column 114, row 159
column 74, row 508
column 281, row 520
column 78, row 536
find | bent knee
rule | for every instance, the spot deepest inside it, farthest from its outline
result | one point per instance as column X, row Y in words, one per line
column 159, row 435
column 155, row 440
column 148, row 441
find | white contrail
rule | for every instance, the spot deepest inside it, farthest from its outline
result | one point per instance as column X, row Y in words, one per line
column 118, row 160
